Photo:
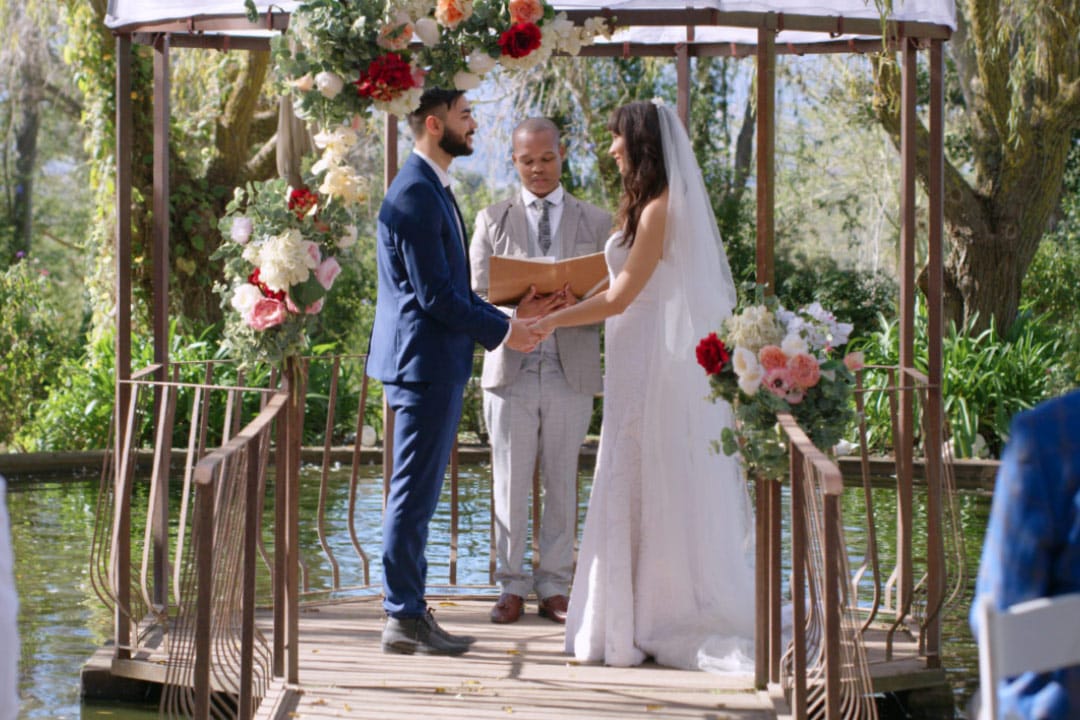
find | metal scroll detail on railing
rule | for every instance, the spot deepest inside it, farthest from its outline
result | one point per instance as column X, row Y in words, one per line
column 219, row 663
column 825, row 666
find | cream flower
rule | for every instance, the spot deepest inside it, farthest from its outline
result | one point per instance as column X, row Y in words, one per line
column 794, row 345
column 428, row 31
column 745, row 362
column 329, row 84
column 304, row 83
column 343, row 183
column 466, row 80
column 285, row 260
column 348, row 239
column 480, row 62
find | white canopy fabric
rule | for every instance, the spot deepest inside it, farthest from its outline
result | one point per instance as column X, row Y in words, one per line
column 131, row 13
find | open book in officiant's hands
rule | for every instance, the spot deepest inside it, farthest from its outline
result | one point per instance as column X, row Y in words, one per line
column 510, row 277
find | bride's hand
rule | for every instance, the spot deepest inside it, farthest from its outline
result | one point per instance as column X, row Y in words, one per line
column 533, row 305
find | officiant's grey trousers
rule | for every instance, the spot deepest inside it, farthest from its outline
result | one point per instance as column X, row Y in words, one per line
column 537, row 414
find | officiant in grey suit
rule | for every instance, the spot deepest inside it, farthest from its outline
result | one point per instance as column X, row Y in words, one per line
column 537, row 405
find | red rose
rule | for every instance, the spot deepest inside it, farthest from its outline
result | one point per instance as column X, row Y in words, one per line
column 712, row 354
column 301, row 200
column 387, row 77
column 520, row 40
column 255, row 280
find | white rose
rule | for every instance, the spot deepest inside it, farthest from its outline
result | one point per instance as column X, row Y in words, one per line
column 244, row 298
column 466, row 80
column 427, row 30
column 480, row 62
column 750, row 382
column 329, row 84
column 745, row 362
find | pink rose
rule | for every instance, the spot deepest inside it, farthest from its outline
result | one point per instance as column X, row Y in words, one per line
column 313, row 251
column 804, row 370
column 855, row 361
column 327, row 271
column 266, row 313
column 526, row 11
column 312, row 309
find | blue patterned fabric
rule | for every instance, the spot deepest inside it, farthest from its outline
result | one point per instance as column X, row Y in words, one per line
column 1032, row 546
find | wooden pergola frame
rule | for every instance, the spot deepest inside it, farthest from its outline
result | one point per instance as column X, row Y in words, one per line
column 908, row 38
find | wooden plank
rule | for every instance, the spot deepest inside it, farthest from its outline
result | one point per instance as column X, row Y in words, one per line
column 519, row 670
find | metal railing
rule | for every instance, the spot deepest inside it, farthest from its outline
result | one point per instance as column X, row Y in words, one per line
column 157, row 601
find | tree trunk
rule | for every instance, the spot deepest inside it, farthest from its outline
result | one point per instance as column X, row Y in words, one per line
column 993, row 224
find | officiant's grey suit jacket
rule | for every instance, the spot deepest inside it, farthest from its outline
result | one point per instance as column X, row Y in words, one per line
column 502, row 229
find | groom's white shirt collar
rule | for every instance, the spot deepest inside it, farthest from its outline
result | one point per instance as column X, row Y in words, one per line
column 444, row 177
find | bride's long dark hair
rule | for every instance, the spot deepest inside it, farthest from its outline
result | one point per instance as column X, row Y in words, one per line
column 638, row 124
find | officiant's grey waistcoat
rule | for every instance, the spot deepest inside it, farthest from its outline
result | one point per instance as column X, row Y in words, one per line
column 503, row 229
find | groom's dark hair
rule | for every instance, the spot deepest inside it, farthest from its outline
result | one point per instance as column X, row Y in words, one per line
column 432, row 102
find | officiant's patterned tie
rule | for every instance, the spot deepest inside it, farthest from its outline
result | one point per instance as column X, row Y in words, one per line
column 543, row 228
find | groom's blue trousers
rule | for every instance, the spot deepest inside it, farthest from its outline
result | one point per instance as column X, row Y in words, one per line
column 425, row 423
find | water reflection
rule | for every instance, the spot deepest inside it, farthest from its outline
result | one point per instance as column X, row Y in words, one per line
column 62, row 622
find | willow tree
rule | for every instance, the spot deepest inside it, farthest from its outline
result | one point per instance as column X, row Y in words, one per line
column 1017, row 76
column 221, row 135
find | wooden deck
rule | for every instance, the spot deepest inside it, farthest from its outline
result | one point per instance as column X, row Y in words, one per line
column 513, row 671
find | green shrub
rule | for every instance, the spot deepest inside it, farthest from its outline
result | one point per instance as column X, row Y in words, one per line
column 35, row 335
column 986, row 378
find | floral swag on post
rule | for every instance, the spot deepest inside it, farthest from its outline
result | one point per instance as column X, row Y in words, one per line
column 284, row 246
column 771, row 360
column 282, row 253
column 341, row 58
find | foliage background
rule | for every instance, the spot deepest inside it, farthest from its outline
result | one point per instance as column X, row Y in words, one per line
column 836, row 223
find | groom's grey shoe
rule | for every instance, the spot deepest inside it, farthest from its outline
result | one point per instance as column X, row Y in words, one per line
column 423, row 635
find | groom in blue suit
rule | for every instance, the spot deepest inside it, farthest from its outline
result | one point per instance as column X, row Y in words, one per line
column 427, row 320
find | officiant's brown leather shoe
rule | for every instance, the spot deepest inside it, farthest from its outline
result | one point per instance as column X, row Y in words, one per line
column 509, row 609
column 554, row 608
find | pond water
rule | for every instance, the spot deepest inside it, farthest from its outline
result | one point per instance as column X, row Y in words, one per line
column 62, row 621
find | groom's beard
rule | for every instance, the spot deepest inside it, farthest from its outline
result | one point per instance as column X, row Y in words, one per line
column 454, row 145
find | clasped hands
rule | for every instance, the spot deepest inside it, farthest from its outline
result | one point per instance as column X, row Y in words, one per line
column 526, row 327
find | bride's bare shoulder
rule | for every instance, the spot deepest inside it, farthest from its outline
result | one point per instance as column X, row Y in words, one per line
column 655, row 211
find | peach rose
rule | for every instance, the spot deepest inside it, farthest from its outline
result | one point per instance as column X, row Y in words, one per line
column 451, row 13
column 396, row 34
column 526, row 11
column 772, row 357
column 805, row 371
column 855, row 361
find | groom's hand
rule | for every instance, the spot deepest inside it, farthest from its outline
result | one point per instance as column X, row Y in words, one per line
column 534, row 306
column 524, row 336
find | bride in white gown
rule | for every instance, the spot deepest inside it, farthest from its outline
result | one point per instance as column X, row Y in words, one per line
column 665, row 564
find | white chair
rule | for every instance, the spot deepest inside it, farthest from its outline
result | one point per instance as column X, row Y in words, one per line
column 1033, row 636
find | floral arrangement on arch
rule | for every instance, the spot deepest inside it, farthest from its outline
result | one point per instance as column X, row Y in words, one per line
column 769, row 360
column 283, row 248
column 342, row 57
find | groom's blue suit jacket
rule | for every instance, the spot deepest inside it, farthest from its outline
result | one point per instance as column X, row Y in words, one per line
column 426, row 315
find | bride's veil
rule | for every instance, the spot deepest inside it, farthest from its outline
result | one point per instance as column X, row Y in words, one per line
column 688, row 486
column 692, row 242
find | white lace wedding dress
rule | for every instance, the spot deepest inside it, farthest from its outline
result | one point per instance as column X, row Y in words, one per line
column 665, row 564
